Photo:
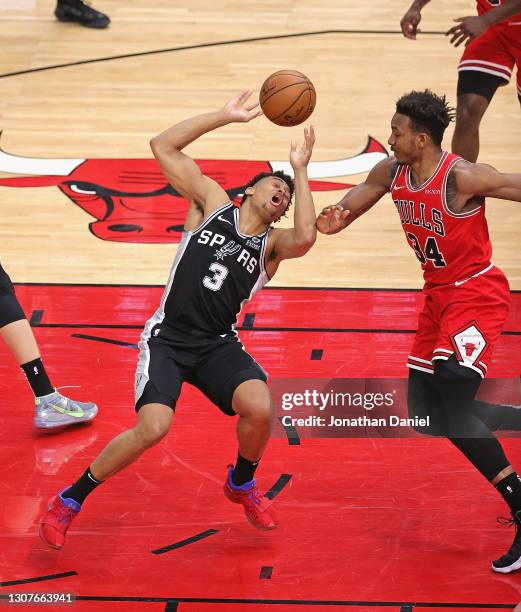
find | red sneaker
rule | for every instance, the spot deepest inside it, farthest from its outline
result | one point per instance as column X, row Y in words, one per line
column 55, row 522
column 257, row 508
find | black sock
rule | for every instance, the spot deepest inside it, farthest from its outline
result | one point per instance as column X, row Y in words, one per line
column 510, row 489
column 244, row 470
column 85, row 484
column 37, row 377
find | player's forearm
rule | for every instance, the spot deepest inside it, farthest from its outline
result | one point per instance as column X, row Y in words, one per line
column 182, row 134
column 504, row 11
column 419, row 4
column 305, row 216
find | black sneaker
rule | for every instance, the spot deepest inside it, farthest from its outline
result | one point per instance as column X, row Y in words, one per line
column 78, row 11
column 511, row 561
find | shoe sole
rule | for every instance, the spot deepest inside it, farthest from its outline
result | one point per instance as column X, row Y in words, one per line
column 85, row 25
column 47, row 428
column 509, row 569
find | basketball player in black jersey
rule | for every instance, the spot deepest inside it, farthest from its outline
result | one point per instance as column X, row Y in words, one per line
column 225, row 256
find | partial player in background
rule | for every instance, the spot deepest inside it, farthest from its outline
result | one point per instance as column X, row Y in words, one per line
column 52, row 410
column 493, row 47
column 82, row 13
column 226, row 255
column 439, row 197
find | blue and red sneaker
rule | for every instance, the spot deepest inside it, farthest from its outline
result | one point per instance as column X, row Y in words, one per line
column 55, row 522
column 258, row 509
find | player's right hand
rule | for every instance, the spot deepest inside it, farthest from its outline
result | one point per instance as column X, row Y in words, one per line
column 332, row 219
column 238, row 109
column 409, row 23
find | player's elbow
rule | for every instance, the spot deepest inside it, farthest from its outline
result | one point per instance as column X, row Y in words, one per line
column 305, row 241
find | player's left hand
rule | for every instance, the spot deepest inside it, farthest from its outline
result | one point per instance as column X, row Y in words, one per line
column 467, row 29
column 300, row 158
column 240, row 110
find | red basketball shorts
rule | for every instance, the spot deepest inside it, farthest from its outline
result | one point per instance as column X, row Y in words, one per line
column 464, row 318
column 495, row 52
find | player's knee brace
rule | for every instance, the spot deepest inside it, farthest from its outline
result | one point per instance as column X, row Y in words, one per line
column 10, row 309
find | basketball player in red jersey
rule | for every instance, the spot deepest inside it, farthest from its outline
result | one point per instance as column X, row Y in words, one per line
column 493, row 46
column 439, row 197
column 227, row 254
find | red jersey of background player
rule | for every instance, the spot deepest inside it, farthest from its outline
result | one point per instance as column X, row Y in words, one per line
column 487, row 5
column 450, row 246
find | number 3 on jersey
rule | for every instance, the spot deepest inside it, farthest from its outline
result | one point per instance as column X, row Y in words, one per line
column 220, row 272
column 431, row 250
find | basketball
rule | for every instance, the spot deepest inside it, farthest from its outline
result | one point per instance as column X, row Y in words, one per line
column 287, row 97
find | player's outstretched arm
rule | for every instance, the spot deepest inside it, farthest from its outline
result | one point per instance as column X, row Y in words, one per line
column 296, row 241
column 410, row 21
column 357, row 200
column 484, row 180
column 468, row 28
column 180, row 169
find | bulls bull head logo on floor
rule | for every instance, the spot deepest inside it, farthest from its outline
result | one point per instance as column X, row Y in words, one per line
column 132, row 201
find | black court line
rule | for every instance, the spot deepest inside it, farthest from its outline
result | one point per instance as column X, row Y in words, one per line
column 206, row 45
column 334, row 330
column 195, row 538
column 299, row 602
column 265, row 572
column 38, row 579
column 249, row 320
column 107, row 340
column 406, row 609
column 172, row 606
column 268, row 288
column 291, row 433
column 36, row 318
column 278, row 486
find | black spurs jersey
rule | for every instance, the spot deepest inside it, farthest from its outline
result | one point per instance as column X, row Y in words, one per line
column 216, row 270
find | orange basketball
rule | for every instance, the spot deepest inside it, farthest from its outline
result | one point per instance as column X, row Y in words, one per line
column 287, row 97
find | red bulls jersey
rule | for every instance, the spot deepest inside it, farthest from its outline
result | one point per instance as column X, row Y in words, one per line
column 450, row 246
column 487, row 5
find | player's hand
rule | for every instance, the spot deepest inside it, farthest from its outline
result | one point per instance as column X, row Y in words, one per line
column 241, row 110
column 467, row 29
column 332, row 219
column 300, row 158
column 409, row 23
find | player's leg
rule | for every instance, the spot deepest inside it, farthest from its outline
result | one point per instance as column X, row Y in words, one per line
column 475, row 91
column 234, row 381
column 486, row 64
column 158, row 383
column 457, row 386
column 473, row 318
column 80, row 12
column 52, row 409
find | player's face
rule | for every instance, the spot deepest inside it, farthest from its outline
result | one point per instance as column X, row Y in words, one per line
column 403, row 139
column 271, row 198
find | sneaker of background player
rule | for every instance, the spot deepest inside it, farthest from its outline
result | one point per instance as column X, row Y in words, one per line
column 56, row 521
column 511, row 560
column 82, row 13
column 56, row 411
column 258, row 509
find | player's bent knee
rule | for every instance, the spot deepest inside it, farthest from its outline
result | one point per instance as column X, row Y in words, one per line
column 153, row 427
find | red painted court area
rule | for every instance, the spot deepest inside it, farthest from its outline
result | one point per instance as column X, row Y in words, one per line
column 365, row 523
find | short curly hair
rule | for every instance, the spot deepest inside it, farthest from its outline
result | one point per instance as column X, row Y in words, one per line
column 428, row 113
column 262, row 175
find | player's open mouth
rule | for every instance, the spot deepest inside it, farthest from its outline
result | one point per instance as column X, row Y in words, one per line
column 276, row 200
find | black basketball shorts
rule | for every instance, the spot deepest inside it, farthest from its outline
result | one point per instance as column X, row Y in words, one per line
column 216, row 366
column 10, row 309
